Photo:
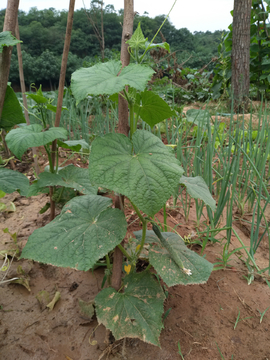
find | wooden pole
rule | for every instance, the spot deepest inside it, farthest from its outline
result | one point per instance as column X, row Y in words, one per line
column 61, row 90
column 123, row 128
column 11, row 16
column 22, row 82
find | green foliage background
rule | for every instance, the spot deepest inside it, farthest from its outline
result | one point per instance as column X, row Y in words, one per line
column 43, row 34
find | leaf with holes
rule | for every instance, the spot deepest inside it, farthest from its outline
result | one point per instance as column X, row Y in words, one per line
column 11, row 181
column 165, row 266
column 148, row 176
column 197, row 188
column 103, row 78
column 70, row 176
column 136, row 313
column 19, row 140
column 85, row 231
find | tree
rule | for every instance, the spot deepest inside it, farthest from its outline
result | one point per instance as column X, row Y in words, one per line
column 92, row 16
column 241, row 53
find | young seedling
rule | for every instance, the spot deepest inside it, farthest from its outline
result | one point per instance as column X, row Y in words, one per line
column 262, row 314
column 238, row 319
column 220, row 353
column 179, row 351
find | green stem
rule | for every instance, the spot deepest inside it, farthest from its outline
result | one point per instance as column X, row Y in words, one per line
column 49, row 158
column 109, row 265
column 136, row 121
column 123, row 250
column 57, row 159
column 131, row 119
column 148, row 267
column 148, row 47
column 143, row 238
column 165, row 217
column 42, row 118
column 61, row 193
column 137, row 212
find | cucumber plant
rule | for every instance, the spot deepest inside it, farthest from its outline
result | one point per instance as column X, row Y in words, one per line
column 143, row 169
column 41, row 134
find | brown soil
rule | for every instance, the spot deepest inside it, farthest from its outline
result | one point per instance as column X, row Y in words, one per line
column 202, row 318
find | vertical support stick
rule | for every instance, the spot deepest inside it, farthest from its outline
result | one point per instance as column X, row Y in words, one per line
column 11, row 16
column 123, row 128
column 61, row 90
column 20, row 62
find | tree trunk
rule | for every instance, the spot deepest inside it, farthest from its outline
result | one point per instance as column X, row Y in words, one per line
column 11, row 16
column 241, row 54
column 123, row 128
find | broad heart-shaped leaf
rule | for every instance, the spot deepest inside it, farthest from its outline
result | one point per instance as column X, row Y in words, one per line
column 85, row 231
column 104, row 79
column 19, row 140
column 197, row 188
column 137, row 40
column 137, row 312
column 198, row 117
column 167, row 269
column 12, row 112
column 11, row 181
column 74, row 145
column 151, row 108
column 148, row 176
column 70, row 176
column 7, row 39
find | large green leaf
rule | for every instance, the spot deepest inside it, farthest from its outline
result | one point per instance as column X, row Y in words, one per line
column 137, row 312
column 103, row 79
column 167, row 269
column 12, row 112
column 152, row 108
column 197, row 188
column 85, row 231
column 148, row 176
column 19, row 140
column 70, row 176
column 11, row 181
column 7, row 39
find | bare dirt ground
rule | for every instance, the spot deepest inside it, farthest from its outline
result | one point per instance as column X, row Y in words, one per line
column 202, row 318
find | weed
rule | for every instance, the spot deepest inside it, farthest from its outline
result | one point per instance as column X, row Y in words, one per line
column 179, row 351
column 262, row 314
column 238, row 319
